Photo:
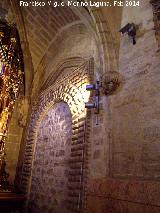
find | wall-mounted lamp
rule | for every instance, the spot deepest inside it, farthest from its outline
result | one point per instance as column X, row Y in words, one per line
column 110, row 83
column 90, row 105
column 90, row 87
column 95, row 104
column 130, row 29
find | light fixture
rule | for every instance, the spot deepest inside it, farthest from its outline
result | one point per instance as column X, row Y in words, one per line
column 130, row 29
column 90, row 105
column 95, row 104
column 90, row 87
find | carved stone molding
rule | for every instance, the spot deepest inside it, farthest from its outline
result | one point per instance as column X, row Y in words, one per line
column 111, row 82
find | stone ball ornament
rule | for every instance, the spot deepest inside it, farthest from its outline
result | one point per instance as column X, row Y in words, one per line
column 111, row 82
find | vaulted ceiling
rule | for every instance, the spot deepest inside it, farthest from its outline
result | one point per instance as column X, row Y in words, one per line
column 42, row 25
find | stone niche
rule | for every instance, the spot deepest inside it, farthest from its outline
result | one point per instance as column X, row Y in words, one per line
column 50, row 164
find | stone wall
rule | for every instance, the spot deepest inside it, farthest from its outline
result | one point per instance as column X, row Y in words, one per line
column 13, row 142
column 135, row 151
column 156, row 18
column 50, row 165
column 130, row 138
